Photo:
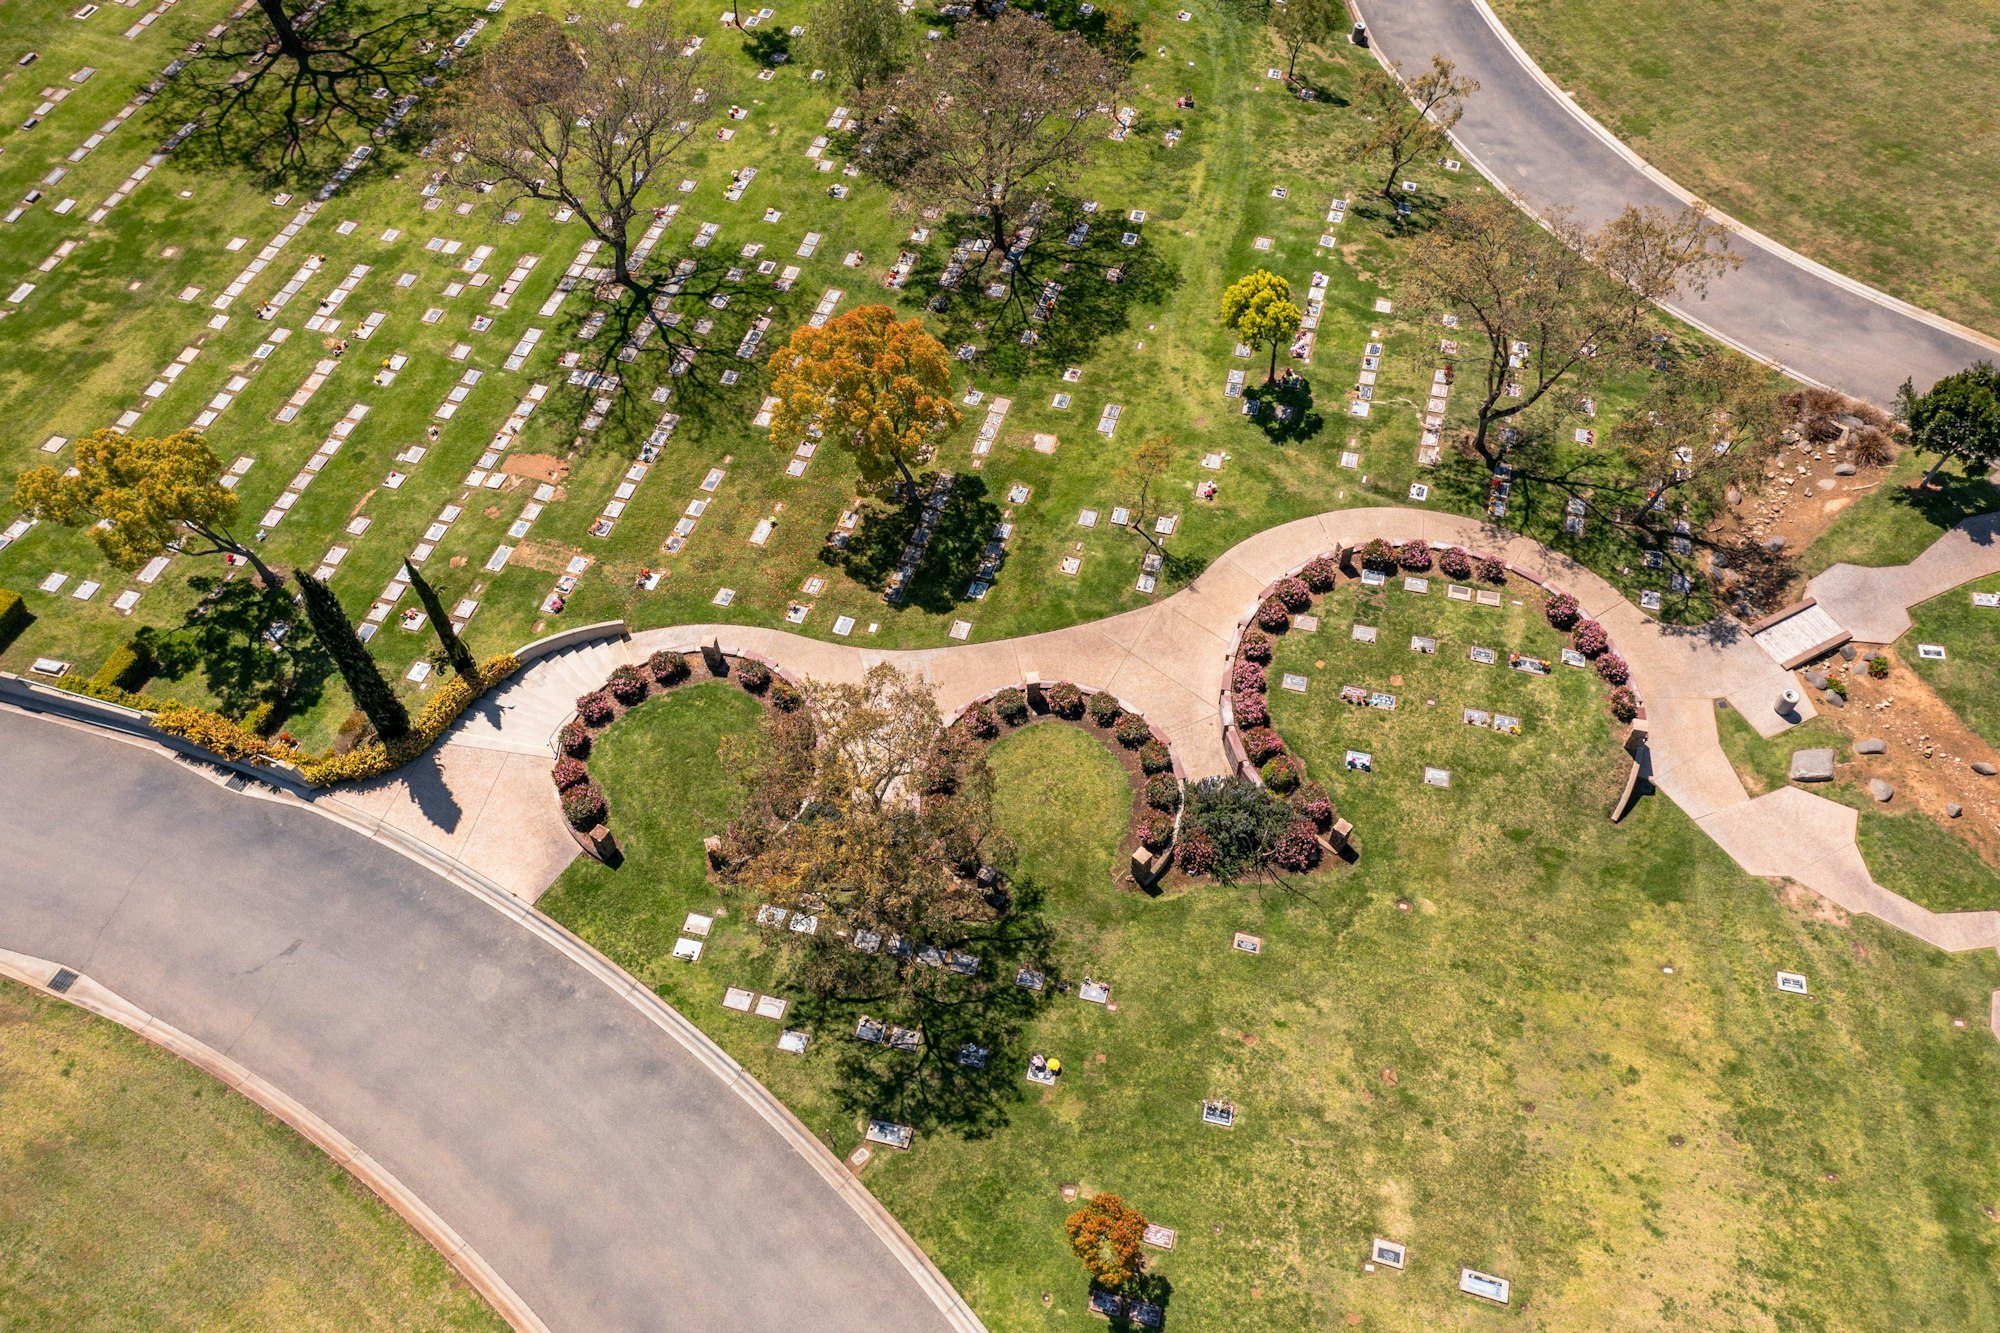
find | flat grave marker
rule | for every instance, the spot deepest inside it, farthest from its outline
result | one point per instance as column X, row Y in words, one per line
column 1792, row 983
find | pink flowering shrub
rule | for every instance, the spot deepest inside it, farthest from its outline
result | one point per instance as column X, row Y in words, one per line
column 1320, row 573
column 1492, row 569
column 1155, row 831
column 1624, row 703
column 1562, row 610
column 1589, row 638
column 1262, row 743
column 1196, row 853
column 1296, row 849
column 568, row 772
column 1251, row 710
column 594, row 709
column 1613, row 669
column 1155, row 758
column 1294, row 593
column 1414, row 555
column 1378, row 554
column 1273, row 616
column 1066, row 701
column 1248, row 678
column 1454, row 563
column 1255, row 647
column 1312, row 802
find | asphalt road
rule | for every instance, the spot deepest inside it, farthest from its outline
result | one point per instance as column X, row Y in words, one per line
column 1535, row 144
column 610, row 1177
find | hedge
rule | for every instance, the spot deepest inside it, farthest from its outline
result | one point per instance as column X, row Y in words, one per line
column 126, row 669
column 14, row 615
column 442, row 709
column 212, row 732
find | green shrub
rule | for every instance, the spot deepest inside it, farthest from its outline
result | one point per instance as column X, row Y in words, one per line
column 128, row 668
column 212, row 732
column 14, row 616
column 439, row 712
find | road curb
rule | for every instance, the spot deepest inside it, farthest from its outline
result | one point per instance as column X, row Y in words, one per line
column 87, row 994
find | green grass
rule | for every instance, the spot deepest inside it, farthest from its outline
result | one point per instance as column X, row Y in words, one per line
column 1969, row 677
column 99, row 326
column 1884, row 180
column 136, row 1192
column 1498, row 1077
column 1907, row 851
column 1895, row 523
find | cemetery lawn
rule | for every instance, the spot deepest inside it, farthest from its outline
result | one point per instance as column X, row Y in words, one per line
column 1969, row 677
column 1884, row 178
column 1907, row 851
column 97, row 337
column 140, row 1193
column 1501, row 1077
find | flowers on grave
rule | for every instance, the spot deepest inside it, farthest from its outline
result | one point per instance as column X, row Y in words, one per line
column 1589, row 638
column 1312, row 802
column 627, row 685
column 1155, row 758
column 1320, row 573
column 1163, row 793
column 753, row 676
column 594, row 709
column 1280, row 775
column 1255, row 647
column 1561, row 610
column 787, row 700
column 1273, row 616
column 668, row 668
column 1262, row 743
column 1492, row 569
column 1295, row 594
column 979, row 720
column 1012, row 706
column 1104, row 710
column 574, row 738
column 1155, row 831
column 1196, row 853
column 1296, row 849
column 1455, row 563
column 583, row 806
column 568, row 772
column 1624, row 703
column 1134, row 731
column 1247, row 678
column 1414, row 555
column 1066, row 701
column 1613, row 669
column 1251, row 710
column 1378, row 554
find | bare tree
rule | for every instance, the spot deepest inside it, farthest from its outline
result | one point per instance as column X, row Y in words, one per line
column 1553, row 312
column 583, row 115
column 290, row 95
column 1413, row 119
column 997, row 114
column 1708, row 421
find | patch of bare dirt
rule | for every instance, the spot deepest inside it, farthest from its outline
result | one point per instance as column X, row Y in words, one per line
column 550, row 557
column 536, row 467
column 1810, row 905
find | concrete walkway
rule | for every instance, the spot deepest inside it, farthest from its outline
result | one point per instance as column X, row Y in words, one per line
column 1873, row 604
column 1168, row 661
column 1532, row 139
column 601, row 1157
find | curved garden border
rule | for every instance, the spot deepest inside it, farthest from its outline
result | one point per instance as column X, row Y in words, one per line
column 1258, row 750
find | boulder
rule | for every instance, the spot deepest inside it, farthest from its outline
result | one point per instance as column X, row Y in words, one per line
column 1847, row 652
column 1953, row 810
column 1881, row 790
column 1774, row 543
column 1871, row 745
column 1812, row 765
column 1833, row 700
column 1984, row 769
column 1816, row 679
column 1845, row 470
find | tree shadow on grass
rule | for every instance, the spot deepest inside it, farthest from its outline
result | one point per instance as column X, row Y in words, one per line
column 1285, row 411
column 933, row 1087
column 956, row 554
column 250, row 645
column 1951, row 499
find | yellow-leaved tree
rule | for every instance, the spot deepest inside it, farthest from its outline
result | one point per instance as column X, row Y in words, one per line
column 877, row 386
column 1260, row 309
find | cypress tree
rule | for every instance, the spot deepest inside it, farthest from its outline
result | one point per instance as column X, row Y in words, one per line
column 454, row 647
column 372, row 694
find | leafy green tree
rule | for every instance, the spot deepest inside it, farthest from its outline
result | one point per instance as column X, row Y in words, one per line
column 1303, row 23
column 1144, row 471
column 859, row 42
column 1260, row 309
column 139, row 495
column 373, row 695
column 454, row 647
column 1956, row 418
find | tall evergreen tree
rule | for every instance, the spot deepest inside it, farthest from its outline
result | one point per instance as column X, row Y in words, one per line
column 454, row 647
column 373, row 695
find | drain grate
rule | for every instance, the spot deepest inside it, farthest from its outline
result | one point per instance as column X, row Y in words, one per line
column 62, row 980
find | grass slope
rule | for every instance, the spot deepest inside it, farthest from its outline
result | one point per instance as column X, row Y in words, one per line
column 135, row 1192
column 1969, row 677
column 1862, row 135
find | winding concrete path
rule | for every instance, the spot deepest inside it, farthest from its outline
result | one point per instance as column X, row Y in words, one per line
column 1168, row 661
column 608, row 1164
column 1532, row 139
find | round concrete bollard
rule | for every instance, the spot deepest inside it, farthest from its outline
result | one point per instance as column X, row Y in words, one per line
column 1788, row 703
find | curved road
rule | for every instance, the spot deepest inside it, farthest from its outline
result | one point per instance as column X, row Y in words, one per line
column 604, row 1170
column 1549, row 154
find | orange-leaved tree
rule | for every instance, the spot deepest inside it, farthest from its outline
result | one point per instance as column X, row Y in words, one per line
column 1105, row 1233
column 878, row 386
